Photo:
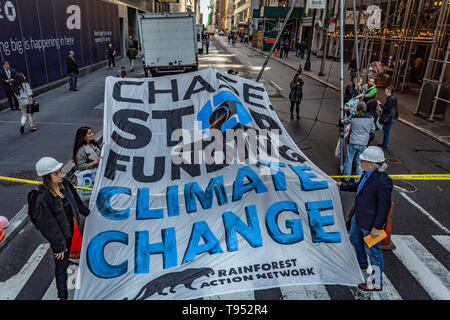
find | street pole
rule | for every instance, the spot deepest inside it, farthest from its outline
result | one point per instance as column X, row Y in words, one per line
column 341, row 56
column 356, row 38
column 294, row 2
column 324, row 44
column 308, row 61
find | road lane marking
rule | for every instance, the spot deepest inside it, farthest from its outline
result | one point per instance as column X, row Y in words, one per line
column 52, row 292
column 427, row 270
column 247, row 295
column 11, row 287
column 443, row 241
column 389, row 292
column 307, row 292
column 424, row 212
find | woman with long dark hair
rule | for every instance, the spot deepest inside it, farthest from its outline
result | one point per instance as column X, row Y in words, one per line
column 86, row 151
column 55, row 211
column 296, row 94
column 24, row 94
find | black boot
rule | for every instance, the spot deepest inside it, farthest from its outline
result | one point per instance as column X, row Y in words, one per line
column 292, row 116
column 298, row 117
column 22, row 129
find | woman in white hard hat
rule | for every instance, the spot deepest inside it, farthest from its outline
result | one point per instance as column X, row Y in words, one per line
column 371, row 210
column 55, row 209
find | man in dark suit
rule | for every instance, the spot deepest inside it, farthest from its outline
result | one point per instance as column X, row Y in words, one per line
column 371, row 210
column 6, row 77
column 73, row 71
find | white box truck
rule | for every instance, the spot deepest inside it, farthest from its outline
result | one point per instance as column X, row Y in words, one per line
column 169, row 43
column 200, row 38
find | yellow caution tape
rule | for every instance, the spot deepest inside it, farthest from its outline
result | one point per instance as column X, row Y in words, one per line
column 408, row 176
column 36, row 182
column 393, row 176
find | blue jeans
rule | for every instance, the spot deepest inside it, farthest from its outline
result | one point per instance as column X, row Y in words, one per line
column 297, row 53
column 111, row 61
column 353, row 151
column 387, row 132
column 72, row 80
column 375, row 253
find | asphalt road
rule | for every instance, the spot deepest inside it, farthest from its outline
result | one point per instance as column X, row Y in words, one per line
column 418, row 269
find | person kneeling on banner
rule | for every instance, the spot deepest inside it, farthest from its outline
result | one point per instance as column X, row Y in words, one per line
column 55, row 209
column 86, row 155
column 370, row 213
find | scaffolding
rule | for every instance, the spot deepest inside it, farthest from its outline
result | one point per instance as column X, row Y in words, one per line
column 411, row 45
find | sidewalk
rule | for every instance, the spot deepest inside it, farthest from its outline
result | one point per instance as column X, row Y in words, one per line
column 440, row 130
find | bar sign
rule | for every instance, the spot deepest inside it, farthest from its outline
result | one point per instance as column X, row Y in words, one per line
column 317, row 4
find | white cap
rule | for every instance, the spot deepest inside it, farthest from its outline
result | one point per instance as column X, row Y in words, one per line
column 47, row 165
column 373, row 154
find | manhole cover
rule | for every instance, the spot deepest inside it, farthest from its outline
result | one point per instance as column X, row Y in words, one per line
column 404, row 186
column 26, row 175
column 393, row 160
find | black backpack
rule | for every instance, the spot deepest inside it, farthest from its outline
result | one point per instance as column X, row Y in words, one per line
column 31, row 197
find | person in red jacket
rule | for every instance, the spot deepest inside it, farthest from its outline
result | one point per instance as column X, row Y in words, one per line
column 371, row 210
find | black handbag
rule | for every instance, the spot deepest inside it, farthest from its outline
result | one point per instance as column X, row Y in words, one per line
column 33, row 108
column 385, row 118
column 348, row 222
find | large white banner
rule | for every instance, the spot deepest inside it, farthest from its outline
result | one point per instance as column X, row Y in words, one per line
column 166, row 222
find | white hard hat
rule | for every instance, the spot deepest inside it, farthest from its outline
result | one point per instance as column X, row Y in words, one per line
column 4, row 222
column 47, row 165
column 373, row 154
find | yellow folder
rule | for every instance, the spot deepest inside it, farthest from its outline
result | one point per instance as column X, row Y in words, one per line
column 373, row 241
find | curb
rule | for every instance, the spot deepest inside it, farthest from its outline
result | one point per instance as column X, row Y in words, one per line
column 309, row 75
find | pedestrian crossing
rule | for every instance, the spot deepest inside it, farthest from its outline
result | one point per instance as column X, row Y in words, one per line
column 427, row 270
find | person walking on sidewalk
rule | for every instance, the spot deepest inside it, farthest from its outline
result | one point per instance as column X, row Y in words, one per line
column 296, row 94
column 371, row 210
column 73, row 70
column 233, row 39
column 111, row 53
column 362, row 126
column 207, row 44
column 286, row 48
column 389, row 115
column 7, row 75
column 131, row 54
column 297, row 48
column 24, row 95
column 55, row 208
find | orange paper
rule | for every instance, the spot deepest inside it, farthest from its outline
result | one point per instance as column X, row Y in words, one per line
column 373, row 241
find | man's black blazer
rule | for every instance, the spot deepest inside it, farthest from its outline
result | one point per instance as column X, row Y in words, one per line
column 4, row 78
column 373, row 202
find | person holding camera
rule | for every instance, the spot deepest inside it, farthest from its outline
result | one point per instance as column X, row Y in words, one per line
column 296, row 94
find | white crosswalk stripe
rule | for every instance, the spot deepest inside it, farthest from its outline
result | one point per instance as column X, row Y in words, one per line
column 427, row 270
column 389, row 292
column 11, row 287
column 247, row 295
column 443, row 241
column 311, row 292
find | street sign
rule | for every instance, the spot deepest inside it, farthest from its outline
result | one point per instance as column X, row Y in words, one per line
column 317, row 4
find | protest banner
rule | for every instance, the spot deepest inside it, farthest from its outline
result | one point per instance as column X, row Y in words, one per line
column 180, row 211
